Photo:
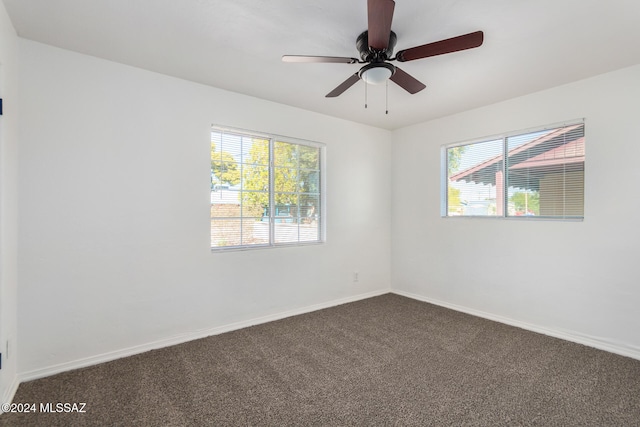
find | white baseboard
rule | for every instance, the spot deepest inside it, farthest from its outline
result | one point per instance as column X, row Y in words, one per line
column 182, row 338
column 616, row 348
column 10, row 392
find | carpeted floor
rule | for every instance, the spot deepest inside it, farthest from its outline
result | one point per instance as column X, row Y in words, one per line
column 386, row 361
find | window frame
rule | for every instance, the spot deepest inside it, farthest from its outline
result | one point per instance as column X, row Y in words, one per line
column 272, row 140
column 444, row 174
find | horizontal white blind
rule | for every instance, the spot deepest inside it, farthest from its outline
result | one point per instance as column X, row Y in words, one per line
column 263, row 191
column 474, row 178
column 240, row 190
column 543, row 175
column 297, row 192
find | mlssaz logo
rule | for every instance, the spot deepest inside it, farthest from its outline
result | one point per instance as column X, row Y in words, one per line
column 63, row 407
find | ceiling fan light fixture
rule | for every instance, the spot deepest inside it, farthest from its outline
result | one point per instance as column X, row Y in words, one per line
column 376, row 73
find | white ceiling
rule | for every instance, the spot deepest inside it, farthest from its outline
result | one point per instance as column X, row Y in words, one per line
column 237, row 45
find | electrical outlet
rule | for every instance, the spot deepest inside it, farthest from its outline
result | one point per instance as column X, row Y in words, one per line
column 356, row 276
column 6, row 353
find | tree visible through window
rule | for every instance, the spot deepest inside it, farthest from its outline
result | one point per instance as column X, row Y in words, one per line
column 264, row 191
column 542, row 176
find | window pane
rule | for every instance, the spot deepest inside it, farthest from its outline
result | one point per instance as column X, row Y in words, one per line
column 286, row 232
column 286, row 179
column 309, row 228
column 225, row 205
column 286, row 209
column 255, row 231
column 255, row 203
column 546, row 173
column 309, row 181
column 239, row 232
column 309, row 157
column 261, row 231
column 226, row 232
column 475, row 182
column 310, row 232
column 309, row 208
column 290, row 231
column 256, row 152
column 225, row 160
column 285, row 154
column 255, row 178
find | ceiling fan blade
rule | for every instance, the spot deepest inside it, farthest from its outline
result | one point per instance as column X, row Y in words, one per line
column 379, row 15
column 454, row 44
column 343, row 86
column 306, row 58
column 406, row 81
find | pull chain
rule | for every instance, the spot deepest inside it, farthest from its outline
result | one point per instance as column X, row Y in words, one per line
column 365, row 93
column 386, row 97
column 386, row 111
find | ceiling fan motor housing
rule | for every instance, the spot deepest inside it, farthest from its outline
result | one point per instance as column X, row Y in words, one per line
column 375, row 55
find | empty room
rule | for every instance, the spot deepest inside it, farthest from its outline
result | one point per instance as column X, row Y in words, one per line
column 371, row 212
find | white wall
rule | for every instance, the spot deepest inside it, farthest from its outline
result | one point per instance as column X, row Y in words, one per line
column 8, row 204
column 114, row 200
column 114, row 229
column 578, row 280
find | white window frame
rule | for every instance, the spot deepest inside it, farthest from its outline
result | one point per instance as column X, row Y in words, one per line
column 444, row 174
column 273, row 138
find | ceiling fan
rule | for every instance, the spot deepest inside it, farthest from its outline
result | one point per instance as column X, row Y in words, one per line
column 376, row 49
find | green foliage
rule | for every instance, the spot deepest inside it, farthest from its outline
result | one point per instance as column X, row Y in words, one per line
column 255, row 176
column 526, row 202
column 296, row 173
column 454, row 155
column 224, row 167
column 454, row 202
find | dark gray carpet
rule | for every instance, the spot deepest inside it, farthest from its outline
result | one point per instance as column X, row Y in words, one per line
column 387, row 360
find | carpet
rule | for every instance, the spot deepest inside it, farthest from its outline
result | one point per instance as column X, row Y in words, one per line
column 387, row 360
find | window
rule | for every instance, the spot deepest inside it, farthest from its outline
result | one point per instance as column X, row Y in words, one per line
column 265, row 190
column 542, row 176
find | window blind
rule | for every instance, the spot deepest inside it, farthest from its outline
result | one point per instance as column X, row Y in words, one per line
column 537, row 173
column 264, row 191
column 545, row 173
column 474, row 178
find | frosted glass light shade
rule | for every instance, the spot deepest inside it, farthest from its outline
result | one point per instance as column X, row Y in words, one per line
column 376, row 75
